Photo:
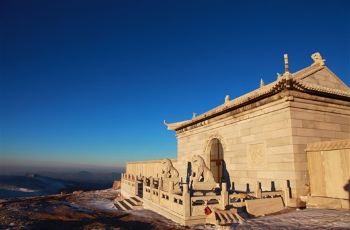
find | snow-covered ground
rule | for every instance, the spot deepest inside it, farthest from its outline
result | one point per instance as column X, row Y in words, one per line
column 95, row 210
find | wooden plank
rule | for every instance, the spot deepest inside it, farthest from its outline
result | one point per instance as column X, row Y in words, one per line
column 329, row 172
column 316, row 172
column 260, row 207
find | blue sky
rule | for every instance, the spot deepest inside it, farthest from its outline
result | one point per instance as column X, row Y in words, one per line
column 92, row 81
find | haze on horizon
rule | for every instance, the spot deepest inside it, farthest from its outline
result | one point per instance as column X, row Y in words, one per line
column 87, row 84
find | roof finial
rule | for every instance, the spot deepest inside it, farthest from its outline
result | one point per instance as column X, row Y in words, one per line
column 286, row 66
column 279, row 76
column 194, row 115
column 227, row 99
column 262, row 83
column 317, row 59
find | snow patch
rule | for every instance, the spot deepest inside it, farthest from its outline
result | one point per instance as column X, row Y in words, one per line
column 106, row 205
column 17, row 189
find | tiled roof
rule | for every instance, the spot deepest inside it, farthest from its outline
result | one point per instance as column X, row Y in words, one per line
column 286, row 81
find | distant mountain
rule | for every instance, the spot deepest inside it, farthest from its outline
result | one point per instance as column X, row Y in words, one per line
column 30, row 185
column 47, row 183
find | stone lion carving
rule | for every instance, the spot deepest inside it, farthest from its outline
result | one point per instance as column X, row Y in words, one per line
column 168, row 170
column 202, row 178
column 169, row 174
column 318, row 59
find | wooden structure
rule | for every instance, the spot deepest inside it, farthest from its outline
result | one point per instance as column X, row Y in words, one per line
column 329, row 170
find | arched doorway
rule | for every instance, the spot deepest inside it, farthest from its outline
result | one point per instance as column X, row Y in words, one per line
column 216, row 159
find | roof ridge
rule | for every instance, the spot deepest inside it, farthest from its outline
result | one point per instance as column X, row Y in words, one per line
column 285, row 81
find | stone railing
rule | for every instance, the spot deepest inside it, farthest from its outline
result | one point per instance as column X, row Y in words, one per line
column 236, row 198
column 184, row 203
column 191, row 204
column 129, row 185
column 173, row 202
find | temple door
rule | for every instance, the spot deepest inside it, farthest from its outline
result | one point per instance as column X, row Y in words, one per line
column 216, row 160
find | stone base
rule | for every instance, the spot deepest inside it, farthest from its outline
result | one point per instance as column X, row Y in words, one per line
column 185, row 221
column 327, row 202
column 205, row 186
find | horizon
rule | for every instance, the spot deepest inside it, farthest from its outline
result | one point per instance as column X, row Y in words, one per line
column 88, row 84
column 10, row 167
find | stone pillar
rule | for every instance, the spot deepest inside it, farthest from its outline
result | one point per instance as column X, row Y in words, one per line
column 186, row 201
column 136, row 187
column 151, row 183
column 171, row 187
column 287, row 193
column 160, row 185
column 258, row 190
column 224, row 196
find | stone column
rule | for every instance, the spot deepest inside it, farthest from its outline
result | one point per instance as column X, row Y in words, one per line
column 136, row 187
column 287, row 193
column 171, row 187
column 160, row 185
column 151, row 183
column 186, row 201
column 258, row 190
column 224, row 196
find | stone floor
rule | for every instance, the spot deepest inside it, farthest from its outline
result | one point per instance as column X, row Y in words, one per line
column 95, row 210
column 300, row 219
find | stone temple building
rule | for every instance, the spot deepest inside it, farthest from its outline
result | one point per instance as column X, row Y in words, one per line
column 250, row 144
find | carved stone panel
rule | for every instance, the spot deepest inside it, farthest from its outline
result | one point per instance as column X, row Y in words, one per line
column 257, row 156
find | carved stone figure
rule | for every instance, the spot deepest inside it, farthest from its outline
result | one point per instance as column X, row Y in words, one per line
column 202, row 178
column 318, row 59
column 169, row 177
column 168, row 170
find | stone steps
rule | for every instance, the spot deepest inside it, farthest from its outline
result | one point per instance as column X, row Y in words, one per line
column 128, row 204
column 136, row 200
column 224, row 217
column 123, row 206
column 118, row 206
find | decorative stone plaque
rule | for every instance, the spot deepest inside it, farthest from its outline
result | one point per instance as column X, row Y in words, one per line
column 256, row 156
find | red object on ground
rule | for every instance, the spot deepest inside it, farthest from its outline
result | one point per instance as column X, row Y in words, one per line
column 207, row 211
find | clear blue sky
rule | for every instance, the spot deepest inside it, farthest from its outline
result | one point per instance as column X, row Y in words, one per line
column 92, row 81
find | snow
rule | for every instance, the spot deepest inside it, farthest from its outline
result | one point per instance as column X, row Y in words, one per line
column 105, row 205
column 99, row 199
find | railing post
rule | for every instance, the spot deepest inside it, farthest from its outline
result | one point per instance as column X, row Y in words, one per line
column 171, row 187
column 186, row 201
column 160, row 185
column 144, row 189
column 151, row 183
column 136, row 187
column 258, row 190
column 287, row 193
column 224, row 196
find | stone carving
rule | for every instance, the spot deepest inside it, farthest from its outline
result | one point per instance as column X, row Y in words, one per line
column 262, row 83
column 318, row 59
column 202, row 178
column 227, row 99
column 256, row 156
column 278, row 76
column 169, row 177
column 328, row 145
column 286, row 65
column 168, row 170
